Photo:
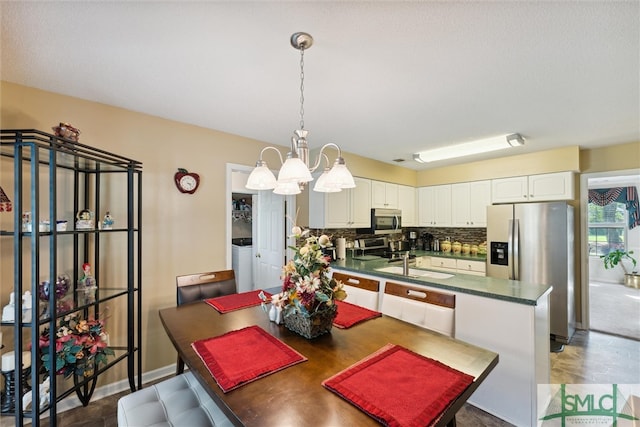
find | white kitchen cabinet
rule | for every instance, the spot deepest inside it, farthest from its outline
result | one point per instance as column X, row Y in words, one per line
column 454, row 265
column 407, row 204
column 415, row 304
column 469, row 201
column 349, row 208
column 551, row 186
column 444, row 264
column 384, row 195
column 434, row 206
column 533, row 188
column 479, row 199
column 475, row 268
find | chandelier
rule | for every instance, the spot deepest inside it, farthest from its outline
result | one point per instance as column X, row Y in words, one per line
column 296, row 171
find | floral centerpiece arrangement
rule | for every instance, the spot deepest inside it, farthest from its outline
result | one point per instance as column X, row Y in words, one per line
column 308, row 293
column 81, row 346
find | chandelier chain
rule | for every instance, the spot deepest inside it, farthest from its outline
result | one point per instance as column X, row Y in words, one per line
column 302, row 88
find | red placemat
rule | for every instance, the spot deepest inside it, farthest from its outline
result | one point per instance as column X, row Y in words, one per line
column 239, row 357
column 399, row 387
column 231, row 302
column 351, row 314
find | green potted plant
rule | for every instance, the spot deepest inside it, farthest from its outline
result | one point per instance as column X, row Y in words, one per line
column 616, row 257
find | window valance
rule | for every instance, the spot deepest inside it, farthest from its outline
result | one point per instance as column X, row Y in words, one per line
column 626, row 195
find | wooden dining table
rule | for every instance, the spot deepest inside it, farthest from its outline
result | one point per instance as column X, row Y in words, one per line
column 295, row 396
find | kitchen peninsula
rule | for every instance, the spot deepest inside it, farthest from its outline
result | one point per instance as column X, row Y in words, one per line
column 505, row 316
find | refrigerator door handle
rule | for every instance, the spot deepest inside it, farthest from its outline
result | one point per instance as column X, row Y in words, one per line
column 514, row 249
column 510, row 250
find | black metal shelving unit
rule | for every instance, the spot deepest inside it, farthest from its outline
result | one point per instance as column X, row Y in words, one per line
column 48, row 171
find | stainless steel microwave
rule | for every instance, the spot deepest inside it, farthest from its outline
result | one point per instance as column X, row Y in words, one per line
column 384, row 221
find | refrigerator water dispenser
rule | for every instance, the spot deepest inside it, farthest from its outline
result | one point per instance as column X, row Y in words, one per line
column 499, row 251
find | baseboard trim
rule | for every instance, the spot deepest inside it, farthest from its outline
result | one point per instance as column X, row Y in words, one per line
column 72, row 401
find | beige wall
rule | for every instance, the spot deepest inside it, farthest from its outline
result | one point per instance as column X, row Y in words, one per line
column 617, row 157
column 181, row 233
column 186, row 233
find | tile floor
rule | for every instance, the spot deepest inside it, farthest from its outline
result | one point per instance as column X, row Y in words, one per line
column 591, row 357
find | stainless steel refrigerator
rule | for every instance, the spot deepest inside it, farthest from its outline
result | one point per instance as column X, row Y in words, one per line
column 533, row 243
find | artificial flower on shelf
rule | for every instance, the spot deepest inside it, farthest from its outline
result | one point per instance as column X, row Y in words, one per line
column 308, row 293
column 81, row 346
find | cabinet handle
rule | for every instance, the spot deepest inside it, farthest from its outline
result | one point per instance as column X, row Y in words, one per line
column 418, row 294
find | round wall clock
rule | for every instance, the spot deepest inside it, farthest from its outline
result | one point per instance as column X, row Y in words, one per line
column 187, row 182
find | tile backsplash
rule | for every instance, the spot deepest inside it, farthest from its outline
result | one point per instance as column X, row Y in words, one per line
column 462, row 235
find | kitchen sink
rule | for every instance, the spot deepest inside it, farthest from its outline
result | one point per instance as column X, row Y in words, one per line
column 414, row 272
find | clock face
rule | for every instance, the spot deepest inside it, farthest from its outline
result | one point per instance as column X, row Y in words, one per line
column 188, row 182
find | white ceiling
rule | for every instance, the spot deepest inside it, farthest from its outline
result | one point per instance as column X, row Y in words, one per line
column 382, row 80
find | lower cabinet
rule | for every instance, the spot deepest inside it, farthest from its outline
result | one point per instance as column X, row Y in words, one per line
column 426, row 308
column 452, row 265
column 360, row 291
column 475, row 268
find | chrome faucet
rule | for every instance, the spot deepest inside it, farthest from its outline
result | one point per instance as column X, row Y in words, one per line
column 405, row 264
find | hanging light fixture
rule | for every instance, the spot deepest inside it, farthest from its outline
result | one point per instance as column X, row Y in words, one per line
column 296, row 171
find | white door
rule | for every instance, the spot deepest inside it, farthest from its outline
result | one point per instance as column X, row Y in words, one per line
column 269, row 239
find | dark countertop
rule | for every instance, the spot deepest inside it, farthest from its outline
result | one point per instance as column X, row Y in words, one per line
column 489, row 287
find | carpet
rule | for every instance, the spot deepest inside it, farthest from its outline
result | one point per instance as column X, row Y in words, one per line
column 614, row 309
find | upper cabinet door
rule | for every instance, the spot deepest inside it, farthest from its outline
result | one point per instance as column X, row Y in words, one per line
column 510, row 190
column 460, row 204
column 479, row 199
column 434, row 206
column 442, row 206
column 551, row 186
column 384, row 195
column 407, row 204
column 360, row 204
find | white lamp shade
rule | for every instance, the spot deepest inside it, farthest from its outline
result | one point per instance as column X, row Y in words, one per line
column 340, row 176
column 294, row 170
column 287, row 188
column 261, row 178
column 321, row 184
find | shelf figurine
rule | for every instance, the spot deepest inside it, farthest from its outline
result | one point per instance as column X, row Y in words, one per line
column 87, row 284
column 9, row 310
column 84, row 220
column 107, row 222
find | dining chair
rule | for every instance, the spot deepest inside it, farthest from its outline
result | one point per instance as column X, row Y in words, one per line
column 200, row 286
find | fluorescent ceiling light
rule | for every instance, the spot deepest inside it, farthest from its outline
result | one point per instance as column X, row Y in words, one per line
column 468, row 148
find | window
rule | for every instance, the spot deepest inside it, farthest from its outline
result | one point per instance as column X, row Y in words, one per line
column 607, row 228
